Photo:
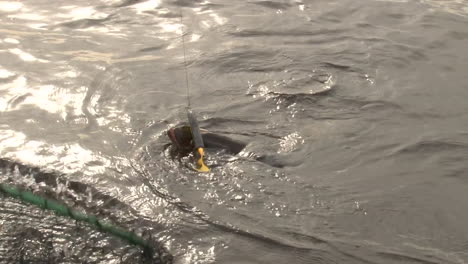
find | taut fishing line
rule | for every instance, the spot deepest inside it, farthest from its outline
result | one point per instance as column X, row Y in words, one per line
column 199, row 146
column 185, row 61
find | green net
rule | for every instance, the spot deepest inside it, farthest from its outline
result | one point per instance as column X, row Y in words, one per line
column 36, row 229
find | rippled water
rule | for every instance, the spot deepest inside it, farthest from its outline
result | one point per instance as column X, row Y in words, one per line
column 360, row 104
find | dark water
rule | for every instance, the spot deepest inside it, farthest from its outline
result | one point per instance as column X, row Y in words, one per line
column 362, row 103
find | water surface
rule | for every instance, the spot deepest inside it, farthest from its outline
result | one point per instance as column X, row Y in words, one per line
column 361, row 104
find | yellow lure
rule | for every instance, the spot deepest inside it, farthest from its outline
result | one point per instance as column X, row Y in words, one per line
column 200, row 162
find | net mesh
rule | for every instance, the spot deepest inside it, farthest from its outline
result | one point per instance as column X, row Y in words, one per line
column 37, row 234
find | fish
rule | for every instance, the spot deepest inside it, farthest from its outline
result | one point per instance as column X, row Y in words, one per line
column 182, row 145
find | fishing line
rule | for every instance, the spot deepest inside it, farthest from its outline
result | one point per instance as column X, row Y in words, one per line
column 197, row 139
column 185, row 61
